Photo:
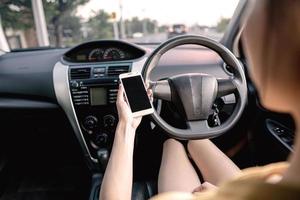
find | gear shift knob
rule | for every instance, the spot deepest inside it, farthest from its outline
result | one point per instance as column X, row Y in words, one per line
column 103, row 156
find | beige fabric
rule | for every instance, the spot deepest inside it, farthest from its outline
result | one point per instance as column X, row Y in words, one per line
column 252, row 184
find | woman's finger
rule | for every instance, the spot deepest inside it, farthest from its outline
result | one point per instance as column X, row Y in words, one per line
column 120, row 96
column 148, row 85
column 198, row 189
column 208, row 186
column 150, row 94
column 204, row 187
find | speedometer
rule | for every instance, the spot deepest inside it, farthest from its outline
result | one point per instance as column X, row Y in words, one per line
column 113, row 54
column 96, row 55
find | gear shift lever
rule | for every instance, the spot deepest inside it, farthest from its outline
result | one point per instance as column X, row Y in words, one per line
column 103, row 156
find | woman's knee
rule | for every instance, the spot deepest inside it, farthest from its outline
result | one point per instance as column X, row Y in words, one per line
column 172, row 143
column 189, row 147
column 196, row 144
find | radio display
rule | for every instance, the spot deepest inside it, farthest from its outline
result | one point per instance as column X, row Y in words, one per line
column 98, row 96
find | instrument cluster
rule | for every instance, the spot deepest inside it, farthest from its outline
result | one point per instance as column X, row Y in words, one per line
column 103, row 51
column 106, row 54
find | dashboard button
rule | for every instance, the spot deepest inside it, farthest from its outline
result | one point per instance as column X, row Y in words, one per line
column 81, row 103
column 113, row 94
column 90, row 123
column 98, row 75
column 101, row 139
column 99, row 70
column 109, row 120
column 81, row 100
column 75, row 84
column 80, row 96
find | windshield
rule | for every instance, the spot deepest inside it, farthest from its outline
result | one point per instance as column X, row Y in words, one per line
column 64, row 23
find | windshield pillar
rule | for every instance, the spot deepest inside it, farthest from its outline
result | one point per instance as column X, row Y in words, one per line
column 40, row 23
column 3, row 42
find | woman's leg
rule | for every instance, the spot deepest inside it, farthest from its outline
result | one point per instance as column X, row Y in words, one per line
column 176, row 172
column 214, row 165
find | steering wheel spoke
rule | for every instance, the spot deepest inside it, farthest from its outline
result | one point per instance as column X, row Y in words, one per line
column 161, row 90
column 226, row 87
column 200, row 126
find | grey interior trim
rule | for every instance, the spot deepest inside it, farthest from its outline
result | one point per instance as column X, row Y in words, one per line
column 271, row 124
column 234, row 25
column 14, row 103
column 235, row 48
column 229, row 99
column 62, row 92
column 2, row 52
column 138, row 65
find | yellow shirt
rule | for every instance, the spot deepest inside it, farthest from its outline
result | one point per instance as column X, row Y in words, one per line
column 251, row 184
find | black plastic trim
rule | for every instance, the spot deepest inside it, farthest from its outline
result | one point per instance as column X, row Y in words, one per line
column 13, row 103
column 281, row 136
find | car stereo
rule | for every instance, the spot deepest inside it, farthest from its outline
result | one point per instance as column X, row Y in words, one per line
column 94, row 93
column 95, row 85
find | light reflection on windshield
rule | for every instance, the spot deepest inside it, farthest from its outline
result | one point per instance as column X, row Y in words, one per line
column 69, row 23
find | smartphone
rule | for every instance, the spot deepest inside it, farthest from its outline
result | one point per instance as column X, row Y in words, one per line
column 136, row 94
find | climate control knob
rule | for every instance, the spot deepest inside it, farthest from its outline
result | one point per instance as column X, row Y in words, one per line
column 90, row 123
column 75, row 84
column 109, row 120
column 101, row 139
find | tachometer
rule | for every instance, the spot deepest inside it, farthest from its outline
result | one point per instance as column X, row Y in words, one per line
column 96, row 55
column 113, row 54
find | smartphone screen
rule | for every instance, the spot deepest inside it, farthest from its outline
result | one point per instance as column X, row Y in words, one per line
column 136, row 94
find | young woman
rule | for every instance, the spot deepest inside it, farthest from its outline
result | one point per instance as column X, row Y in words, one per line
column 272, row 43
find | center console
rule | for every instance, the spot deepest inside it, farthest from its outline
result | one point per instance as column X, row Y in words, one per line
column 93, row 90
column 86, row 85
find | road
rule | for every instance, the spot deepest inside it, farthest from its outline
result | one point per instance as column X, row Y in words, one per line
column 161, row 37
column 151, row 38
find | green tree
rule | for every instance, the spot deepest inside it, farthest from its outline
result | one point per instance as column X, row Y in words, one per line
column 60, row 16
column 163, row 28
column 135, row 25
column 59, row 13
column 150, row 25
column 16, row 14
column 71, row 30
column 222, row 24
column 99, row 26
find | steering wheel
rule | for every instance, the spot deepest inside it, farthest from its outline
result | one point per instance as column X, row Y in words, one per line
column 195, row 93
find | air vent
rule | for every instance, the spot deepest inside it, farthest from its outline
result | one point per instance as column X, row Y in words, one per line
column 117, row 70
column 80, row 73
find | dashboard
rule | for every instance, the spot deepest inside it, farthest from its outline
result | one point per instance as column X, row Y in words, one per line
column 83, row 82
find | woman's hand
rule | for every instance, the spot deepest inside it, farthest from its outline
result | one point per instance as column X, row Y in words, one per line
column 124, row 112
column 204, row 187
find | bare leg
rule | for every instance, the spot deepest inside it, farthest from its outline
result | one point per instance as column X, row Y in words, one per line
column 214, row 165
column 176, row 172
